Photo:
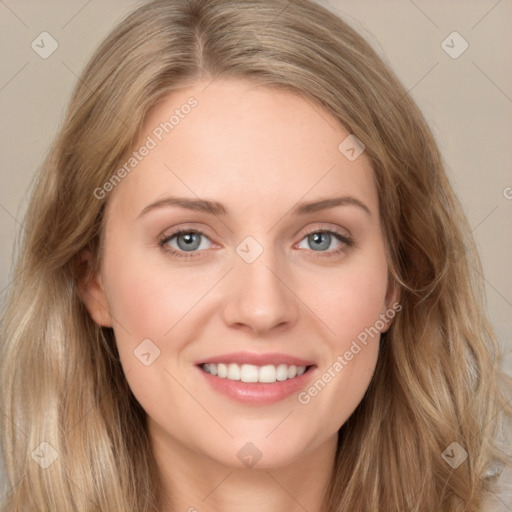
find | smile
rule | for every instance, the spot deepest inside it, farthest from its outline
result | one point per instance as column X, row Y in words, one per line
column 251, row 373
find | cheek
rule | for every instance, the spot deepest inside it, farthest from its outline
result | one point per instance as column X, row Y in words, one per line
column 351, row 306
column 353, row 301
column 145, row 303
column 147, row 300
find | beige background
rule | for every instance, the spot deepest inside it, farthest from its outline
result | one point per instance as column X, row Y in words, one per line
column 467, row 101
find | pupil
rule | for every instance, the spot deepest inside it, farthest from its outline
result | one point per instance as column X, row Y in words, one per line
column 189, row 241
column 317, row 237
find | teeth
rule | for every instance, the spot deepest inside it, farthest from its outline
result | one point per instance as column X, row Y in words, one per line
column 282, row 372
column 266, row 373
column 251, row 373
column 222, row 370
column 233, row 372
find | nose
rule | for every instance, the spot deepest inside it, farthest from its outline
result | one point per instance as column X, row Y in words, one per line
column 261, row 298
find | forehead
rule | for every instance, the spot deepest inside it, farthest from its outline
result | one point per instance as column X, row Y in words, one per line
column 246, row 145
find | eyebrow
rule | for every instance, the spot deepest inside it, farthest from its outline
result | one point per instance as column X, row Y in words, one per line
column 216, row 208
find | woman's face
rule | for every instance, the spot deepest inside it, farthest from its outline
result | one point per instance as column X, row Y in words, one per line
column 276, row 279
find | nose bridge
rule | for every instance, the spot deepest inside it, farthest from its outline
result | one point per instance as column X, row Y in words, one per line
column 258, row 269
column 260, row 300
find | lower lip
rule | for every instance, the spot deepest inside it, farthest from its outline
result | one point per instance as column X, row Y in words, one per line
column 257, row 393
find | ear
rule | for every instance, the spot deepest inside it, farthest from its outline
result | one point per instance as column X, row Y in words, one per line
column 392, row 303
column 92, row 292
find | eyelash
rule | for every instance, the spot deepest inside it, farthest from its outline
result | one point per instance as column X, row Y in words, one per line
column 345, row 239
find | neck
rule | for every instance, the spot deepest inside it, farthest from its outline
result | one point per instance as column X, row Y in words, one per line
column 194, row 482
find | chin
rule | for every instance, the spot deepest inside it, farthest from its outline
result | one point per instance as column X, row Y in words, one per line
column 261, row 453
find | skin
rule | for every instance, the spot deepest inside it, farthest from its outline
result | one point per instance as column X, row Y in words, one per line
column 258, row 151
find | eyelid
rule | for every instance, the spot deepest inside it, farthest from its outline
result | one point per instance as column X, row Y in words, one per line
column 326, row 227
column 169, row 232
column 172, row 231
column 342, row 234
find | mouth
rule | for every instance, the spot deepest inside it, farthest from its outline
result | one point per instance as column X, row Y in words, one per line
column 249, row 373
column 257, row 379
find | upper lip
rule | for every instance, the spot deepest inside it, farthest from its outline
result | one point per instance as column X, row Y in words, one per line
column 256, row 359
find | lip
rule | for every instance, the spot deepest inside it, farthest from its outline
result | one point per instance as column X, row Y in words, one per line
column 258, row 393
column 257, row 359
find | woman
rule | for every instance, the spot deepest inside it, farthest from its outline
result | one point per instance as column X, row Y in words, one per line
column 246, row 283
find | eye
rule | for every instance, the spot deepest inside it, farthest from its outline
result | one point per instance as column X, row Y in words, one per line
column 186, row 243
column 321, row 241
column 187, row 240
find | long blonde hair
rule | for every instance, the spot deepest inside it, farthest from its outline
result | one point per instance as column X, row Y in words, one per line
column 437, row 379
